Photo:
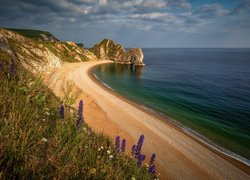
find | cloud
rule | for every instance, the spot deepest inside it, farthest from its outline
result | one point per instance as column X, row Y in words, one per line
column 211, row 11
column 242, row 8
column 155, row 16
column 90, row 20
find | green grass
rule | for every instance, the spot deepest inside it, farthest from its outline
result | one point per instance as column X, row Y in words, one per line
column 30, row 33
column 35, row 143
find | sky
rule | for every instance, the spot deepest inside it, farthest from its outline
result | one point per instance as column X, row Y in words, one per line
column 136, row 23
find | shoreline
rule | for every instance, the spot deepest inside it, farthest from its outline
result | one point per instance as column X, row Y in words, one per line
column 179, row 156
column 228, row 155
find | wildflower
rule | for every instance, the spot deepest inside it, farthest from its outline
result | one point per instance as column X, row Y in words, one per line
column 141, row 157
column 44, row 139
column 139, row 146
column 117, row 143
column 152, row 159
column 80, row 116
column 102, row 147
column 123, row 146
column 62, row 113
column 111, row 156
column 133, row 149
column 152, row 169
column 1, row 67
column 108, row 152
column 133, row 178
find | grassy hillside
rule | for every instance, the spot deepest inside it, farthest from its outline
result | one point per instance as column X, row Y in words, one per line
column 41, row 139
column 30, row 33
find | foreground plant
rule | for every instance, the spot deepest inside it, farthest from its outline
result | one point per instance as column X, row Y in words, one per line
column 36, row 144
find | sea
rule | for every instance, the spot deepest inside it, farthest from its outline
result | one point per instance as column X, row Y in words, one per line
column 205, row 91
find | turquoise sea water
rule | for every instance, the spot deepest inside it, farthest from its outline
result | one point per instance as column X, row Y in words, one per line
column 206, row 90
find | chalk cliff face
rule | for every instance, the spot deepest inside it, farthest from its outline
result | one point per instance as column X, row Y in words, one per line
column 41, row 54
column 33, row 56
column 107, row 49
column 40, row 51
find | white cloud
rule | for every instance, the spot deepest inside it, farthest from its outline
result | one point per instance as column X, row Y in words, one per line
column 157, row 16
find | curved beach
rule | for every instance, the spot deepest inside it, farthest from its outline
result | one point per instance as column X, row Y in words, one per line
column 179, row 155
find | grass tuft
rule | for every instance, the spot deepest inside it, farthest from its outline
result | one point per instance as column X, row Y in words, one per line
column 36, row 143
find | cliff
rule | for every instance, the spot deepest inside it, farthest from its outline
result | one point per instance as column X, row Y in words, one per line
column 107, row 49
column 40, row 51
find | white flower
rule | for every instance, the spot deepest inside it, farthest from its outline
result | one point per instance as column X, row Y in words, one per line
column 111, row 156
column 133, row 178
column 102, row 147
column 99, row 149
column 44, row 139
column 108, row 152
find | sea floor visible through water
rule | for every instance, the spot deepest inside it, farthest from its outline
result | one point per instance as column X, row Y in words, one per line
column 205, row 90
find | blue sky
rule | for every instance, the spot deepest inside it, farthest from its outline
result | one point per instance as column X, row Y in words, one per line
column 136, row 23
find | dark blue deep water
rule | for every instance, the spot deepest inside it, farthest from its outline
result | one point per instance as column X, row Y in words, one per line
column 207, row 90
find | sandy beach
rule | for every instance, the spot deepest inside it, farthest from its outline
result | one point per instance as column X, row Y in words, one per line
column 179, row 156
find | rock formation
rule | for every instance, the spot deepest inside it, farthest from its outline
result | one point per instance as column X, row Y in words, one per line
column 107, row 49
column 40, row 51
column 41, row 54
column 33, row 56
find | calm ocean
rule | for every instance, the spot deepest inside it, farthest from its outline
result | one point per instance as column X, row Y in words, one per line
column 206, row 90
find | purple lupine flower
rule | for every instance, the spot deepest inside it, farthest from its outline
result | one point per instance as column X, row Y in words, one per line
column 152, row 159
column 79, row 120
column 152, row 169
column 133, row 149
column 1, row 67
column 62, row 112
column 12, row 68
column 139, row 146
column 117, row 143
column 123, row 146
column 141, row 157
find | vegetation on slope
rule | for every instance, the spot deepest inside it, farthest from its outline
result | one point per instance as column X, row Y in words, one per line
column 32, row 33
column 40, row 139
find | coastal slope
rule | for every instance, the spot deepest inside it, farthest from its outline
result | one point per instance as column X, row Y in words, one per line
column 178, row 156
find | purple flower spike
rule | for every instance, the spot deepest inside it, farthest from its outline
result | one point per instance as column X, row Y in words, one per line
column 152, row 169
column 133, row 149
column 80, row 118
column 62, row 112
column 1, row 67
column 117, row 143
column 152, row 159
column 141, row 158
column 123, row 146
column 139, row 146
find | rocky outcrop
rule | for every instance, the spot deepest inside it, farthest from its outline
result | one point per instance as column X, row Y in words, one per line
column 43, row 52
column 47, row 37
column 34, row 57
column 4, row 45
column 107, row 49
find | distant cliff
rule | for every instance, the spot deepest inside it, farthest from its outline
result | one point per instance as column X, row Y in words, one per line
column 39, row 50
column 107, row 49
